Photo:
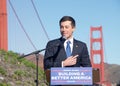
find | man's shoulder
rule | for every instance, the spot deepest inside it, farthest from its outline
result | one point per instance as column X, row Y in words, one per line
column 54, row 41
column 79, row 42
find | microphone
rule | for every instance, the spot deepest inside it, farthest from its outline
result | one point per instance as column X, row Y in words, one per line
column 63, row 39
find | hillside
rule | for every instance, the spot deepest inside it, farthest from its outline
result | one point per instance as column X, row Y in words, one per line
column 18, row 72
column 112, row 73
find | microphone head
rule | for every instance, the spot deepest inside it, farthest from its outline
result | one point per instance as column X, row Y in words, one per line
column 64, row 38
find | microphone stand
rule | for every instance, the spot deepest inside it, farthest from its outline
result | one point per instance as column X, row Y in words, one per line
column 37, row 58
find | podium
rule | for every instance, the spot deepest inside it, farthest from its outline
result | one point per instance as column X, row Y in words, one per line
column 95, row 74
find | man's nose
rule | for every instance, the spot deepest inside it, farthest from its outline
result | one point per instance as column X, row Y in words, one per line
column 64, row 28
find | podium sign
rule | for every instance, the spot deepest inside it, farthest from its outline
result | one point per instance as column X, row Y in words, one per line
column 71, row 76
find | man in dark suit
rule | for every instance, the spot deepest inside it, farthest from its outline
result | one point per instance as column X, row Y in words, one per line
column 56, row 50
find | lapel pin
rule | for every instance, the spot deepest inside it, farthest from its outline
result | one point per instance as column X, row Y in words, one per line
column 76, row 45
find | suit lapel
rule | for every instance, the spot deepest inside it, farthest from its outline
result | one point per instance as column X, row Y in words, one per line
column 75, row 47
column 62, row 52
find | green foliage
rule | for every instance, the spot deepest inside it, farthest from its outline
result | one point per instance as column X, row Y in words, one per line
column 8, row 55
column 19, row 71
column 4, row 84
column 2, row 71
column 28, row 63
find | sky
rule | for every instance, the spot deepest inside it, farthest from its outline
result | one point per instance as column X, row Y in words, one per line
column 87, row 14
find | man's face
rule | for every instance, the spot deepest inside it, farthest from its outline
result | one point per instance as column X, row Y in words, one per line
column 66, row 29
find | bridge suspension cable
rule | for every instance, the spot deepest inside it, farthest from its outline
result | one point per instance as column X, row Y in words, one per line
column 40, row 21
column 22, row 25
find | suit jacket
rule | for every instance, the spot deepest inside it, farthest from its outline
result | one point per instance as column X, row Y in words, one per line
column 55, row 54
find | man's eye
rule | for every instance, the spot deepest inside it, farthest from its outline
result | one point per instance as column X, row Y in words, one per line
column 67, row 27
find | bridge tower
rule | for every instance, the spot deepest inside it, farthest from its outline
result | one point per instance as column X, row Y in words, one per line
column 96, row 51
column 3, row 25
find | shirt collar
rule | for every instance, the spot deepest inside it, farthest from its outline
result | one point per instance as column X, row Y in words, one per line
column 71, row 40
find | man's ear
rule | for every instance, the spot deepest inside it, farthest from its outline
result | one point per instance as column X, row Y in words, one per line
column 73, row 29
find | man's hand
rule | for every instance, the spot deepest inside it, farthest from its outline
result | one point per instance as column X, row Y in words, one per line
column 70, row 61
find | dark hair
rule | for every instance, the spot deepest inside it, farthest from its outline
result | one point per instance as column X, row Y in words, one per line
column 67, row 18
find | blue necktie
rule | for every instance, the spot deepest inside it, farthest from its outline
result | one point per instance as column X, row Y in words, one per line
column 68, row 49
